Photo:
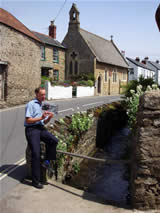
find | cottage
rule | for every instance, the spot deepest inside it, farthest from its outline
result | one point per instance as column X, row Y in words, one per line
column 156, row 64
column 19, row 61
column 89, row 53
column 52, row 55
column 139, row 68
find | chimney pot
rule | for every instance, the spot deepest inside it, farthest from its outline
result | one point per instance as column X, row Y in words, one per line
column 138, row 59
column 146, row 58
column 52, row 30
column 144, row 61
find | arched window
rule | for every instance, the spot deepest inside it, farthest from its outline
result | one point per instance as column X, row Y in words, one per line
column 105, row 75
column 71, row 68
column 76, row 68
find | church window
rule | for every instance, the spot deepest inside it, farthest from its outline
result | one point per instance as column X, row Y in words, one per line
column 76, row 68
column 71, row 68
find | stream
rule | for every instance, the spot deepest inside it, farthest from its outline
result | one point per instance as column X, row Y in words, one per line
column 109, row 182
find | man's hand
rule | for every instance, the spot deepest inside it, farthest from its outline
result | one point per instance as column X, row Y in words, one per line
column 49, row 115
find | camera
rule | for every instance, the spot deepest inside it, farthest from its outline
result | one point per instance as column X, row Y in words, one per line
column 50, row 107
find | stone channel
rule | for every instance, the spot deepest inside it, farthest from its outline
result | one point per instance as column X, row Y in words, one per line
column 109, row 182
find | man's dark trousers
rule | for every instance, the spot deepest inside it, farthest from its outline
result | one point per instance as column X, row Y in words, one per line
column 34, row 135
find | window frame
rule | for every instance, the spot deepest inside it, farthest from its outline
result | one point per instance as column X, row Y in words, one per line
column 56, row 76
column 55, row 55
column 43, row 53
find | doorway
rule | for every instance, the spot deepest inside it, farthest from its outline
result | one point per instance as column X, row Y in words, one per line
column 99, row 85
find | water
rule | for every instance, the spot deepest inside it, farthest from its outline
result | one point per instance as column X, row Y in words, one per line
column 106, row 181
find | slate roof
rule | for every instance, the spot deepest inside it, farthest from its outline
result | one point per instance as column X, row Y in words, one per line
column 48, row 40
column 9, row 20
column 157, row 65
column 140, row 64
column 105, row 51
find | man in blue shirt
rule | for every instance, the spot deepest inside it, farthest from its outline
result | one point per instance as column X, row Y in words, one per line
column 35, row 132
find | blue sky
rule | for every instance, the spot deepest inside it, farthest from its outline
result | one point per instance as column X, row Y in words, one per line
column 132, row 23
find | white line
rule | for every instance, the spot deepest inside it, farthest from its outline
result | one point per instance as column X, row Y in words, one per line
column 22, row 161
column 66, row 110
column 93, row 103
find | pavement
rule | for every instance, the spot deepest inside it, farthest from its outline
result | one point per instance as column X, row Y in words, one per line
column 56, row 197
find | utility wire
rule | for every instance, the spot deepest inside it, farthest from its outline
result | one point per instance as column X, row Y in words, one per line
column 60, row 10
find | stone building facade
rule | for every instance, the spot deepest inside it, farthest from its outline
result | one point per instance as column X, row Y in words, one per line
column 19, row 61
column 52, row 55
column 89, row 53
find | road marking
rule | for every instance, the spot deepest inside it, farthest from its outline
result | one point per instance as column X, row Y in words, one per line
column 11, row 168
column 93, row 103
column 66, row 110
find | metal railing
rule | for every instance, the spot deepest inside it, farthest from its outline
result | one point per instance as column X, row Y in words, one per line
column 107, row 161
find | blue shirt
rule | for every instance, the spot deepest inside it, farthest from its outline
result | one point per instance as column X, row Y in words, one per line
column 33, row 109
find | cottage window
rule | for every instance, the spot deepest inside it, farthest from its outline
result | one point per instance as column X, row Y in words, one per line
column 55, row 55
column 42, row 53
column 114, row 76
column 76, row 68
column 55, row 75
column 106, row 75
column 131, row 71
column 71, row 68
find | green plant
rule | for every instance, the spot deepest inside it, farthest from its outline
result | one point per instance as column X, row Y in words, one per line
column 76, row 167
column 132, row 85
column 81, row 122
column 43, row 79
column 133, row 102
column 90, row 83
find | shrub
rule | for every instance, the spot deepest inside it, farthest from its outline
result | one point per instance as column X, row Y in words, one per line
column 132, row 85
column 90, row 83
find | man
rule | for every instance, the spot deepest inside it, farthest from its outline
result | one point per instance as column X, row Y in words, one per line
column 35, row 132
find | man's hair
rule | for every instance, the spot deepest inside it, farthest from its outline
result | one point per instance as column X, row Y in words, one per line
column 38, row 89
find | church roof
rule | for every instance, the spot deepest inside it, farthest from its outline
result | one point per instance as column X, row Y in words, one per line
column 104, row 50
column 9, row 20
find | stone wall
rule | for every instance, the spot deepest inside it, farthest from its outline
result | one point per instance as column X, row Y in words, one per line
column 23, row 70
column 109, row 87
column 145, row 176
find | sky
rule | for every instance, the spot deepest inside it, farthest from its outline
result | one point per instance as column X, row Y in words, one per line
column 132, row 23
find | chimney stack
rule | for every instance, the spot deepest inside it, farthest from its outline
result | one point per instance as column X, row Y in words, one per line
column 123, row 53
column 137, row 59
column 52, row 30
column 146, row 58
column 143, row 61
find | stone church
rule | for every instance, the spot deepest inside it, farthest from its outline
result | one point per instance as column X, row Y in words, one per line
column 90, row 53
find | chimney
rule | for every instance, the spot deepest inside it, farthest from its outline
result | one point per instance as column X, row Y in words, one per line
column 123, row 53
column 137, row 59
column 146, row 58
column 157, row 61
column 143, row 61
column 52, row 30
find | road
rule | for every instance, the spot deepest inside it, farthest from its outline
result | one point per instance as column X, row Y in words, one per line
column 13, row 142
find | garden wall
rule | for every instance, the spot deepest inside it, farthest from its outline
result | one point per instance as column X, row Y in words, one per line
column 60, row 92
column 57, row 92
column 85, row 91
column 145, row 176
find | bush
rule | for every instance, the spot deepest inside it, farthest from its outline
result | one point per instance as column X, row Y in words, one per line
column 132, row 85
column 90, row 83
column 43, row 79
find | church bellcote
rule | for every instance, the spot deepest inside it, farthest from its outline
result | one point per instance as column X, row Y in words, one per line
column 74, row 23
